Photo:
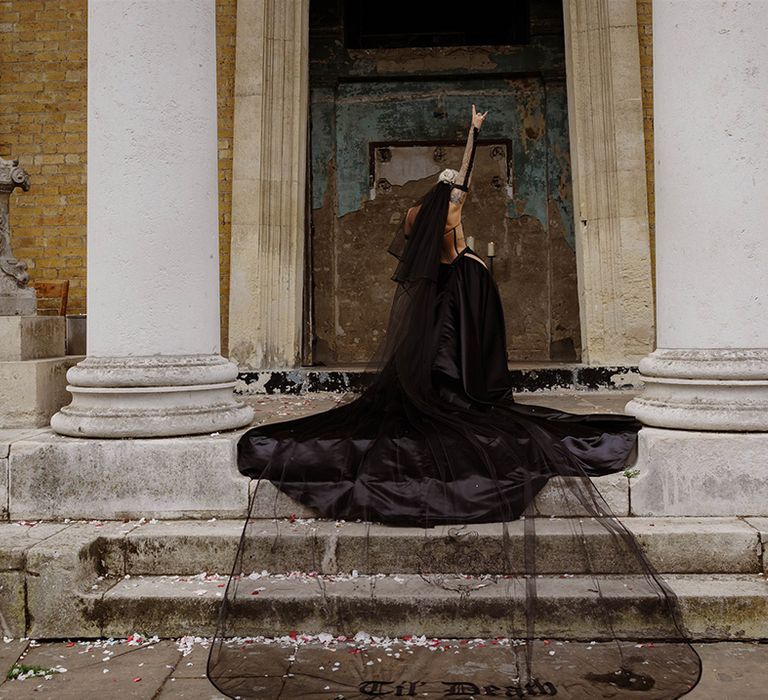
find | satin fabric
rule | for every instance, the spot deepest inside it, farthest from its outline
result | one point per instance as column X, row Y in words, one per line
column 378, row 459
column 436, row 438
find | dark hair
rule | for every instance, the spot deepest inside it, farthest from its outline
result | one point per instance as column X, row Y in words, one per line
column 419, row 250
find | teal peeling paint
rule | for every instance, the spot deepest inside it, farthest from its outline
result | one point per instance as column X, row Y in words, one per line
column 559, row 163
column 396, row 111
column 347, row 116
column 323, row 137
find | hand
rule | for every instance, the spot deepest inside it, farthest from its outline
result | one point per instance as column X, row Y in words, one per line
column 478, row 117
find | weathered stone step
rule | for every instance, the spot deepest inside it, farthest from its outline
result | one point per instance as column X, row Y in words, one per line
column 560, row 497
column 713, row 606
column 673, row 545
column 53, row 575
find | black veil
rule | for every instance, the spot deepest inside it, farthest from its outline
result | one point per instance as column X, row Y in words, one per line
column 457, row 547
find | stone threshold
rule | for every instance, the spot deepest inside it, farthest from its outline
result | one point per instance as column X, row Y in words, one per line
column 44, row 476
column 525, row 377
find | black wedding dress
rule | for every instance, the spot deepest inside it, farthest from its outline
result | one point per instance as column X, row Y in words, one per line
column 437, row 443
column 383, row 460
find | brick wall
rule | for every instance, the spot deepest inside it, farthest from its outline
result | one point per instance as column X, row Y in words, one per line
column 43, row 124
column 645, row 35
column 226, row 11
column 43, row 51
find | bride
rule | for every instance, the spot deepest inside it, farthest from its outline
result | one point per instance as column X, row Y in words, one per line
column 437, row 442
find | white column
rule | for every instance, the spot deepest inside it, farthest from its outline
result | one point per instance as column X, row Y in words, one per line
column 153, row 365
column 269, row 183
column 710, row 371
column 605, row 118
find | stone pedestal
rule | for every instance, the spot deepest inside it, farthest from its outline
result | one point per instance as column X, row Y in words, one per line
column 33, row 370
column 706, row 386
column 689, row 472
column 153, row 365
column 32, row 337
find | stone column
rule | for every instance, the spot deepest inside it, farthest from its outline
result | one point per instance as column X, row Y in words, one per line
column 608, row 164
column 268, row 183
column 153, row 366
column 706, row 386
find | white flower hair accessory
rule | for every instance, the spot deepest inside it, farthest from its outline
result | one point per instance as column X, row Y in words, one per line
column 448, row 175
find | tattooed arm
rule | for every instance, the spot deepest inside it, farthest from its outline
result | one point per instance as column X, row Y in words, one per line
column 458, row 193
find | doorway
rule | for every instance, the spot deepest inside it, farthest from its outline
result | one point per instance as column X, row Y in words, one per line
column 389, row 110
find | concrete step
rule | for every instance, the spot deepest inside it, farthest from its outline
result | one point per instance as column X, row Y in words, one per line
column 713, row 606
column 673, row 545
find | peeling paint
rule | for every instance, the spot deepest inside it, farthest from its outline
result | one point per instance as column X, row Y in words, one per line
column 408, row 97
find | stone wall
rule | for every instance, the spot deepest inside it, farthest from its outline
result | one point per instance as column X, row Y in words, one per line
column 43, row 52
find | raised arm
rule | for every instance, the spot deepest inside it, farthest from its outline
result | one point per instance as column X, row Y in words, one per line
column 461, row 186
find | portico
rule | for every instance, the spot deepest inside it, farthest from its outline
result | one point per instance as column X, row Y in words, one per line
column 154, row 369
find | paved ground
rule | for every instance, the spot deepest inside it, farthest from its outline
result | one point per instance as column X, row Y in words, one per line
column 175, row 670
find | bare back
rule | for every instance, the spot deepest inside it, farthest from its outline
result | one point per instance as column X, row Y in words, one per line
column 449, row 250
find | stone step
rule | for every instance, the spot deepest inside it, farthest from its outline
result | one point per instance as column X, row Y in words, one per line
column 63, row 579
column 561, row 497
column 673, row 545
column 713, row 606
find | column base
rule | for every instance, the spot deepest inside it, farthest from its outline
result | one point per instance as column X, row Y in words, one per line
column 154, row 396
column 708, row 389
column 700, row 473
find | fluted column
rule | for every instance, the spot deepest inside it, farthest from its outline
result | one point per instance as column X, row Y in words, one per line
column 153, row 364
column 609, row 193
column 268, row 183
column 710, row 371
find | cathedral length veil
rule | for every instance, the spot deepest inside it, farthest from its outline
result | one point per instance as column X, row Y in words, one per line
column 434, row 475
